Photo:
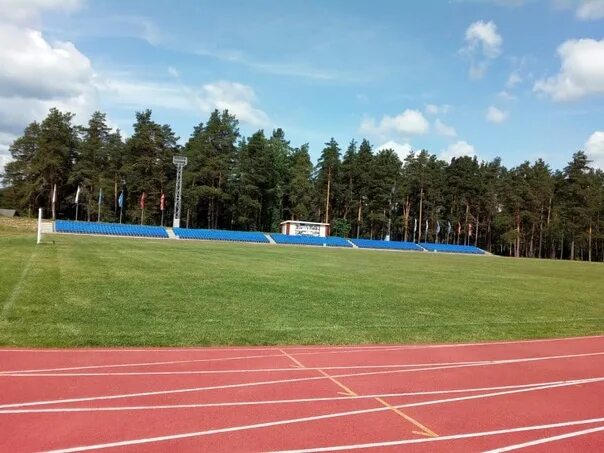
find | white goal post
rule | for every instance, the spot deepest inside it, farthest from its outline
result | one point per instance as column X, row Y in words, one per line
column 39, row 226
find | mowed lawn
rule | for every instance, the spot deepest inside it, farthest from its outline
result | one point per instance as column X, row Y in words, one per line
column 85, row 291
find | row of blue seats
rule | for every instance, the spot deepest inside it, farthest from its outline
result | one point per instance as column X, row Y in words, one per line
column 113, row 229
column 221, row 235
column 452, row 248
column 66, row 226
column 387, row 245
column 329, row 241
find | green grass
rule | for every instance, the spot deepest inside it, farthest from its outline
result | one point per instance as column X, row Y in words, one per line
column 85, row 291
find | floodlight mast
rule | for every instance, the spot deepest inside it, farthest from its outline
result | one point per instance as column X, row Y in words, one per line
column 180, row 162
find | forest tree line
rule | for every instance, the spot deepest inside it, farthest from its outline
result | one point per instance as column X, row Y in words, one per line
column 254, row 183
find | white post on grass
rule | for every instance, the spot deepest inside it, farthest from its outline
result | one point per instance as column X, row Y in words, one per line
column 39, row 225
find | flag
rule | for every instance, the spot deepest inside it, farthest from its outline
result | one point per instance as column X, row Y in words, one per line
column 470, row 230
column 162, row 202
column 54, row 194
column 448, row 227
column 437, row 227
column 414, row 226
column 100, row 195
column 426, row 225
column 142, row 200
column 120, row 200
column 77, row 198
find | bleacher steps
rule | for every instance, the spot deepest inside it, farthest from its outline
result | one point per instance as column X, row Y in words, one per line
column 354, row 246
column 171, row 234
column 270, row 239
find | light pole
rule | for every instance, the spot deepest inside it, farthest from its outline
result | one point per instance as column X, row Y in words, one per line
column 180, row 162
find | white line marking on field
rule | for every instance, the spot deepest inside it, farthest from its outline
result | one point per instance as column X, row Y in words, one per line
column 8, row 304
column 313, row 418
column 282, row 381
column 39, row 372
column 216, row 359
column 247, row 370
column 546, row 440
column 293, row 401
column 121, row 365
column 445, row 438
column 318, row 349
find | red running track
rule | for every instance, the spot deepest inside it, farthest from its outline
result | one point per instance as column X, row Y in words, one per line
column 543, row 395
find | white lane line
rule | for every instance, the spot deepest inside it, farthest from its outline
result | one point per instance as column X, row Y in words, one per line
column 282, row 381
column 50, row 371
column 217, row 359
column 289, row 348
column 247, row 370
column 455, row 345
column 8, row 303
column 311, row 349
column 301, row 420
column 293, row 401
column 546, row 440
column 121, row 365
column 444, row 438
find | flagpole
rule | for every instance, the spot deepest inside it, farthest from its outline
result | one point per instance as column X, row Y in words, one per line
column 99, row 205
column 142, row 215
column 77, row 206
column 54, row 200
column 121, row 209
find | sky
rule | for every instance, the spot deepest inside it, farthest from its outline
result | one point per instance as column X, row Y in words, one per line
column 518, row 79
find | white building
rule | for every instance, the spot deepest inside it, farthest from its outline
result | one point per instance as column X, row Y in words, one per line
column 301, row 228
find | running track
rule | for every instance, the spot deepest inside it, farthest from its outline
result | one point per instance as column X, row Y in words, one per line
column 543, row 395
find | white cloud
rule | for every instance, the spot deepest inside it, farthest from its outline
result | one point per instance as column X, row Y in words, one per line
column 36, row 74
column 457, row 149
column 443, row 129
column 235, row 97
column 24, row 10
column 5, row 141
column 506, row 95
column 34, row 67
column 136, row 94
column 590, row 10
column 409, row 122
column 494, row 115
column 594, row 148
column 483, row 44
column 401, row 149
column 581, row 73
column 513, row 80
column 433, row 109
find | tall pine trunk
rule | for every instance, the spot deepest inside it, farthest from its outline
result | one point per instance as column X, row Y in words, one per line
column 327, row 197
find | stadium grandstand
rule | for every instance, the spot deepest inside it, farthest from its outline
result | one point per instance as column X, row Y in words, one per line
column 147, row 231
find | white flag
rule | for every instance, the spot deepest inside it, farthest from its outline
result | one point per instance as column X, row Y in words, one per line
column 77, row 199
column 54, row 194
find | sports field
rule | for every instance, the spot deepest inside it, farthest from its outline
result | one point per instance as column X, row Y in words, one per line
column 85, row 291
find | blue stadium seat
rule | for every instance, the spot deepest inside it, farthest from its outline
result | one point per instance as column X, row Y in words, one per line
column 221, row 235
column 452, row 248
column 111, row 229
column 385, row 245
column 329, row 241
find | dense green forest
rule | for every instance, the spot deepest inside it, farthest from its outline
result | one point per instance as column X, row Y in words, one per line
column 253, row 183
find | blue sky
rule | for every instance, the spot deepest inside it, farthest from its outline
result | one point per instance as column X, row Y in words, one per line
column 516, row 79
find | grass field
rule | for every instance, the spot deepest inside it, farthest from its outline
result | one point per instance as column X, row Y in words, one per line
column 84, row 291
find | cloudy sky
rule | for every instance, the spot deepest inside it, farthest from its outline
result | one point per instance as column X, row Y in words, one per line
column 520, row 79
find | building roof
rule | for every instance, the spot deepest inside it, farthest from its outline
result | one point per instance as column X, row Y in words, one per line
column 303, row 222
